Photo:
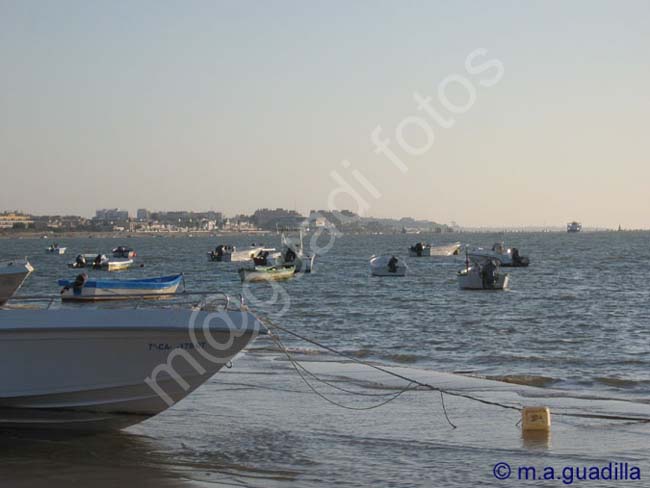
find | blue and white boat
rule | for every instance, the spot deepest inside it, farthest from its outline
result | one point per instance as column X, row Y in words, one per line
column 84, row 289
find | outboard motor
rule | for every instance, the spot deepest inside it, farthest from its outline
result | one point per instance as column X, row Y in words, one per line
column 489, row 274
column 79, row 282
column 418, row 249
column 80, row 261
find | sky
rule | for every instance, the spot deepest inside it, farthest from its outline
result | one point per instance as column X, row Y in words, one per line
column 536, row 112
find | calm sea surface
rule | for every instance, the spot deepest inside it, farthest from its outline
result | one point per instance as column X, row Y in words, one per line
column 575, row 320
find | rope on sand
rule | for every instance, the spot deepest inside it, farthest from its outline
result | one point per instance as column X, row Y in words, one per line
column 412, row 385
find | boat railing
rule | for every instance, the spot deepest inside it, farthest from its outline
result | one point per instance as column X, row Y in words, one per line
column 213, row 301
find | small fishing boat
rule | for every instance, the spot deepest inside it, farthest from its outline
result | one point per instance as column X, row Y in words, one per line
column 266, row 273
column 426, row 250
column 83, row 289
column 509, row 257
column 12, row 275
column 117, row 264
column 55, row 249
column 387, row 266
column 293, row 252
column 484, row 275
column 101, row 262
column 225, row 253
column 124, row 252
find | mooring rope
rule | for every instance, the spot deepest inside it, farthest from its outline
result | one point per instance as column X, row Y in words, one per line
column 411, row 381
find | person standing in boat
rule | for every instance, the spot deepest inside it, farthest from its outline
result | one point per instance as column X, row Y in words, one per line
column 392, row 264
column 489, row 274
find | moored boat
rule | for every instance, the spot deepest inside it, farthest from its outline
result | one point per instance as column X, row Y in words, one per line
column 107, row 369
column 12, row 275
column 293, row 252
column 56, row 249
column 387, row 266
column 427, row 250
column 101, row 262
column 266, row 273
column 124, row 252
column 226, row 253
column 508, row 257
column 484, row 275
column 84, row 289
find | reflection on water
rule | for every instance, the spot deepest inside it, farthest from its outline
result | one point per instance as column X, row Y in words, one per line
column 49, row 458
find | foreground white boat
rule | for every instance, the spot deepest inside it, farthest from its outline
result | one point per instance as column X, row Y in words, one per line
column 387, row 266
column 427, row 250
column 12, row 275
column 106, row 369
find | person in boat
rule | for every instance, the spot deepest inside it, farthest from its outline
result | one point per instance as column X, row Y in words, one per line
column 289, row 256
column 77, row 284
column 97, row 263
column 219, row 252
column 80, row 261
column 516, row 258
column 489, row 274
column 392, row 264
column 261, row 258
column 419, row 247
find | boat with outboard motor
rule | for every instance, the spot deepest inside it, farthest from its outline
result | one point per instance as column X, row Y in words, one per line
column 12, row 275
column 482, row 274
column 55, row 249
column 293, row 252
column 427, row 250
column 101, row 369
column 225, row 253
column 266, row 273
column 507, row 257
column 84, row 289
column 124, row 252
column 101, row 262
column 387, row 266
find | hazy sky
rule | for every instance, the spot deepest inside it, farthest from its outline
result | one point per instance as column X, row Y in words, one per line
column 233, row 106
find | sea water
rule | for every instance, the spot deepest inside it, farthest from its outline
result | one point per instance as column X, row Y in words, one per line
column 573, row 323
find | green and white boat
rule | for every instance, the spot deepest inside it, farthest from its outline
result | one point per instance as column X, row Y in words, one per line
column 266, row 273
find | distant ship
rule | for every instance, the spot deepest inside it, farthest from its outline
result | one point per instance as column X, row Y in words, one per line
column 574, row 227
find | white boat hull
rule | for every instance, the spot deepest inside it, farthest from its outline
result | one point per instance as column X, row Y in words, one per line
column 474, row 281
column 429, row 251
column 99, row 361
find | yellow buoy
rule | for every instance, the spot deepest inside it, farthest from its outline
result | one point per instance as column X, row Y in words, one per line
column 536, row 418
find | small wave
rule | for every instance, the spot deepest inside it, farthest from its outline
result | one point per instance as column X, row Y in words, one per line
column 619, row 382
column 402, row 358
column 525, row 379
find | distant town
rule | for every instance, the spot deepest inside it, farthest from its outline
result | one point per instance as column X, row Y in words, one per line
column 263, row 220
